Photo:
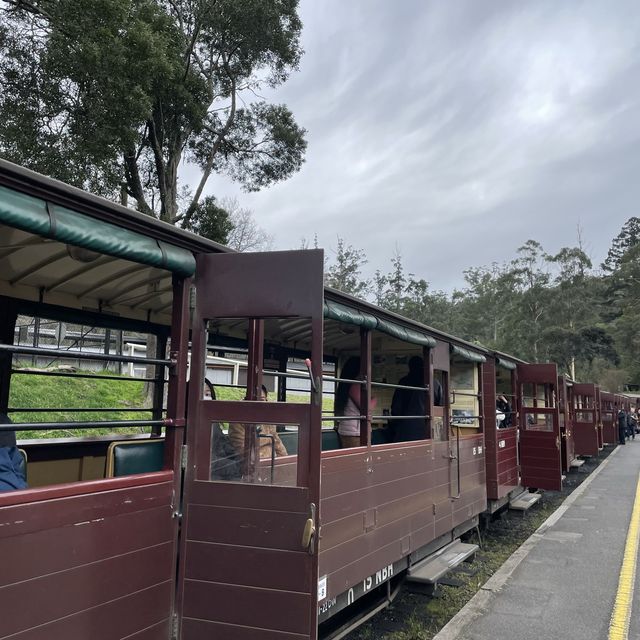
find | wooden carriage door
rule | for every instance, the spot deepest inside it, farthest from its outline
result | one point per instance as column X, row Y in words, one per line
column 248, row 567
column 585, row 419
column 540, row 459
column 566, row 424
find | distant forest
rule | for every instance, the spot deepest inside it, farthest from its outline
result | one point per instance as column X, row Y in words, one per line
column 539, row 307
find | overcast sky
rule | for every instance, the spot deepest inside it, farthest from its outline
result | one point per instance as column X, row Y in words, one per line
column 456, row 130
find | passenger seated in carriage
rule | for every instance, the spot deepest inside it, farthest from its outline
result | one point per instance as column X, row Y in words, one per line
column 225, row 462
column 267, row 439
column 12, row 474
column 411, row 402
column 347, row 404
column 504, row 415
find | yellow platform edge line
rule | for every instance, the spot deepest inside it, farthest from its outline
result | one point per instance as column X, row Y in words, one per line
column 621, row 615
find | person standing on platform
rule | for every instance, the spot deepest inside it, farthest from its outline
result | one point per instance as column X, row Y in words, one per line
column 622, row 427
column 631, row 426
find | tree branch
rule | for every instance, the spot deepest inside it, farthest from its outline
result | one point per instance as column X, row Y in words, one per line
column 216, row 146
column 159, row 160
column 134, row 184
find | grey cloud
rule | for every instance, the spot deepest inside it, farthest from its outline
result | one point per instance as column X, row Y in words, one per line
column 458, row 130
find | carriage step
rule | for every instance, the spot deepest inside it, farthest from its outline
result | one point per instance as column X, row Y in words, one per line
column 524, row 501
column 432, row 569
column 576, row 464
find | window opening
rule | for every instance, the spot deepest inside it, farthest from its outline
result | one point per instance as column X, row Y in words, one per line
column 505, row 399
column 465, row 397
column 538, row 405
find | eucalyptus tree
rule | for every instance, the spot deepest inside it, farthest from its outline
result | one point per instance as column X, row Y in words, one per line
column 345, row 270
column 624, row 289
column 628, row 238
column 117, row 95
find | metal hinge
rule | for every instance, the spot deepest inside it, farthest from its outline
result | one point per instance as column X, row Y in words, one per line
column 174, row 626
column 184, row 456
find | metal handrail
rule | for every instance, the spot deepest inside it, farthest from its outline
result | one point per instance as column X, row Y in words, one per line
column 383, row 417
column 82, row 355
column 116, row 424
column 74, row 410
column 388, row 385
column 71, row 374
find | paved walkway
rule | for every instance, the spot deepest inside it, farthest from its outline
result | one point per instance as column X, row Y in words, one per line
column 562, row 582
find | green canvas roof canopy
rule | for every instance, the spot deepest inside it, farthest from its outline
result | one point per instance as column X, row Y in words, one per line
column 66, row 226
column 80, row 254
column 350, row 315
column 466, row 354
column 506, row 364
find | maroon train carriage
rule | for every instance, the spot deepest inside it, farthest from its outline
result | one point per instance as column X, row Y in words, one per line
column 86, row 556
column 95, row 556
column 374, row 511
column 171, row 535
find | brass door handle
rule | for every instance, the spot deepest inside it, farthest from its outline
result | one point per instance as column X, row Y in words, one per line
column 309, row 532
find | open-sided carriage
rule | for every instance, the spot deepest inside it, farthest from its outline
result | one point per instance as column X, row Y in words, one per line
column 148, row 540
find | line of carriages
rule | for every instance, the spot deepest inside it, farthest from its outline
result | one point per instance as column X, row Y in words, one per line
column 146, row 538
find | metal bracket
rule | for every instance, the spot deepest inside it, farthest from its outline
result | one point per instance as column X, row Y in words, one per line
column 175, row 625
column 184, row 456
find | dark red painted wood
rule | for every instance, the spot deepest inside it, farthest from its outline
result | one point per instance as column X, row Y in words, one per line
column 207, row 630
column 585, row 419
column 45, row 552
column 540, row 451
column 261, row 526
column 501, row 444
column 82, row 489
column 121, row 618
column 272, row 609
column 273, row 569
column 83, row 566
column 490, row 427
column 599, row 418
column 608, row 417
column 566, row 424
column 377, row 507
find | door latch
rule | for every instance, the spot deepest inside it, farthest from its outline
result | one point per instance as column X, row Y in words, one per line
column 308, row 535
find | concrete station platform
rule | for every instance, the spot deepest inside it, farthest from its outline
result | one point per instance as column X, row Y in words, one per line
column 562, row 582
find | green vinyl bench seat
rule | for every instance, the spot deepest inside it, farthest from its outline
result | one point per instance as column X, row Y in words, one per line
column 126, row 457
column 330, row 440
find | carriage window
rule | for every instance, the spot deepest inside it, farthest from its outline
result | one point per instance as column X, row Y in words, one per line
column 399, row 390
column 584, row 416
column 254, row 453
column 505, row 399
column 584, row 402
column 266, row 361
column 538, row 395
column 85, row 399
column 538, row 420
column 441, row 384
column 465, row 400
